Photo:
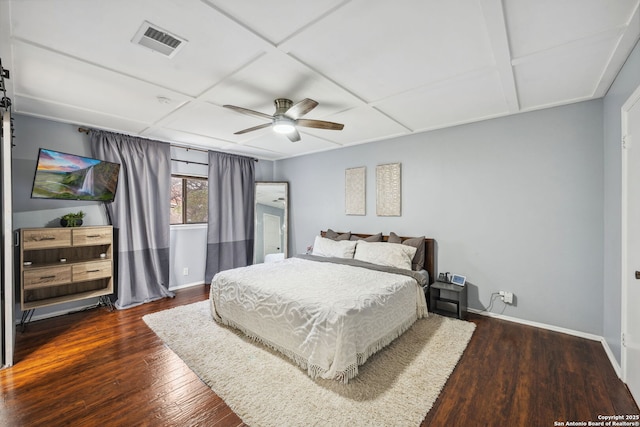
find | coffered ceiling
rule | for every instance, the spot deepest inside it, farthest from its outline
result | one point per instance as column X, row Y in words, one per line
column 381, row 68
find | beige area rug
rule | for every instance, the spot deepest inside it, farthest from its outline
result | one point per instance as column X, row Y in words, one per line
column 396, row 387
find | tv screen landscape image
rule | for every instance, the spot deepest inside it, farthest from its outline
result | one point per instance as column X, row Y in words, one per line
column 67, row 176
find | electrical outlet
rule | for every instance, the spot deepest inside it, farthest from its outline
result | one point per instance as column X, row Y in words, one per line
column 185, row 271
column 508, row 297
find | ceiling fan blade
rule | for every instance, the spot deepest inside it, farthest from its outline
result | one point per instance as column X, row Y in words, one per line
column 301, row 108
column 319, row 124
column 249, row 112
column 240, row 132
column 293, row 136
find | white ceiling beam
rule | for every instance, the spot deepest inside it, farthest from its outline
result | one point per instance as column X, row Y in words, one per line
column 569, row 47
column 282, row 45
column 161, row 122
column 267, row 44
column 499, row 39
column 623, row 48
column 282, row 48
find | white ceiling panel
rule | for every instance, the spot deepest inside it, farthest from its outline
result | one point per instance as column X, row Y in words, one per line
column 277, row 75
column 100, row 32
column 70, row 114
column 49, row 76
column 535, row 26
column 378, row 49
column 473, row 97
column 209, row 120
column 184, row 138
column 383, row 69
column 280, row 144
column 563, row 77
column 362, row 123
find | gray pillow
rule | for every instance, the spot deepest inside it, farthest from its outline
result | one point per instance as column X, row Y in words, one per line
column 417, row 263
column 373, row 238
column 330, row 234
column 394, row 238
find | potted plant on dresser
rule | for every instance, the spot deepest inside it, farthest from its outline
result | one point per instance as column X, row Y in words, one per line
column 72, row 219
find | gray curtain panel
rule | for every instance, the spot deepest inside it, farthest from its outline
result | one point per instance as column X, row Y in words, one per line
column 231, row 205
column 140, row 213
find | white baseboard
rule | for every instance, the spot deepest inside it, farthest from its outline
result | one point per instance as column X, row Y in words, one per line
column 580, row 334
column 185, row 285
column 612, row 358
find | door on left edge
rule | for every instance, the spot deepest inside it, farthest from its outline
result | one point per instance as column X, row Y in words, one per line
column 8, row 323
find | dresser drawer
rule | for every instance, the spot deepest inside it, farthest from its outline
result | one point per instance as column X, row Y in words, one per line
column 91, row 236
column 91, row 270
column 45, row 277
column 46, row 238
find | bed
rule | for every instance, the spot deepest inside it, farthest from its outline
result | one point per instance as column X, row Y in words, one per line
column 329, row 311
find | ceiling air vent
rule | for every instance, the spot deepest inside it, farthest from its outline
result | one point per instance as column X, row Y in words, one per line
column 155, row 38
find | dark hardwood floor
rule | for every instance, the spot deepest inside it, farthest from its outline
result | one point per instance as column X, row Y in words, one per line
column 108, row 368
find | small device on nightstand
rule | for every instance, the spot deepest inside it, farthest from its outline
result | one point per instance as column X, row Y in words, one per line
column 457, row 279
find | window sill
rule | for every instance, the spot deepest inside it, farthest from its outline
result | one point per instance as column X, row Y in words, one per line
column 188, row 226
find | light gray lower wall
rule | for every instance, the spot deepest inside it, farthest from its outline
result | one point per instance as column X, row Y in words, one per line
column 188, row 250
column 514, row 203
column 625, row 84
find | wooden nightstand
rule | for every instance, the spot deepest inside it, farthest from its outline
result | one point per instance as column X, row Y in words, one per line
column 448, row 299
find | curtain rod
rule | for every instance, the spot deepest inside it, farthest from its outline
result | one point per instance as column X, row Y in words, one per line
column 189, row 161
column 85, row 130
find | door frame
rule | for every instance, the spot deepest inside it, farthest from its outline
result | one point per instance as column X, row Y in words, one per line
column 7, row 322
column 264, row 230
column 625, row 281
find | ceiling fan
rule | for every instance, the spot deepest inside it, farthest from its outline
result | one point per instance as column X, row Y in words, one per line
column 287, row 117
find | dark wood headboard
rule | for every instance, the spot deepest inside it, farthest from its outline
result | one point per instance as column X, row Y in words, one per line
column 430, row 253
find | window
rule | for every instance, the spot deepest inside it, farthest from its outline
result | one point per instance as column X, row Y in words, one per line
column 189, row 199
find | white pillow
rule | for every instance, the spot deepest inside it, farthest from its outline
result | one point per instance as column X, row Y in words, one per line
column 333, row 248
column 387, row 254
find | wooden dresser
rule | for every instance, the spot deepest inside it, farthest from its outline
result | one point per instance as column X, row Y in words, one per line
column 64, row 264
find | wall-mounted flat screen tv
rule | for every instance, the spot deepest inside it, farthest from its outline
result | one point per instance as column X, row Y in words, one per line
column 71, row 177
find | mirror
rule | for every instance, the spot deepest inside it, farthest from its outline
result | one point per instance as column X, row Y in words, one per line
column 271, row 219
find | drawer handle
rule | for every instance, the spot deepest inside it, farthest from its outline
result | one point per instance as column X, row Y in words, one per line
column 93, row 236
column 92, row 271
column 44, row 238
column 47, row 277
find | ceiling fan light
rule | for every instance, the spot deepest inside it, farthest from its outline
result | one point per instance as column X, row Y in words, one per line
column 283, row 125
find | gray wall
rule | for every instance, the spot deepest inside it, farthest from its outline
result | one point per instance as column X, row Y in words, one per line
column 528, row 203
column 515, row 204
column 31, row 134
column 625, row 84
column 188, row 243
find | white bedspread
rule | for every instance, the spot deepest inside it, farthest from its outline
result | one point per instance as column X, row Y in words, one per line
column 328, row 318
